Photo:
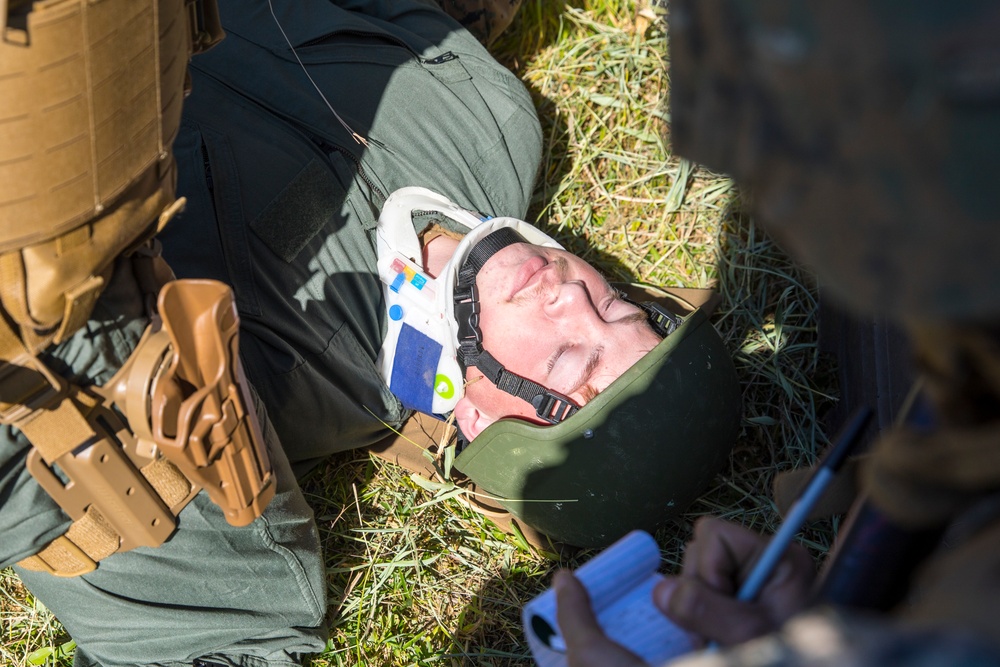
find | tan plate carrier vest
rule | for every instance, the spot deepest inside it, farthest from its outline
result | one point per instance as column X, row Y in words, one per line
column 90, row 103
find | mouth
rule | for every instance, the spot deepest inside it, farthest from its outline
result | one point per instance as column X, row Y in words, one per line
column 527, row 275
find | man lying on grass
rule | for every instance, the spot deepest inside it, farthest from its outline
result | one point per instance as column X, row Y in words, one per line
column 607, row 428
column 284, row 204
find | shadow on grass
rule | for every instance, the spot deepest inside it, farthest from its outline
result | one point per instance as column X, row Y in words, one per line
column 769, row 318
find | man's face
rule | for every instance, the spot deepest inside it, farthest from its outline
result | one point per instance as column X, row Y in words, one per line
column 549, row 316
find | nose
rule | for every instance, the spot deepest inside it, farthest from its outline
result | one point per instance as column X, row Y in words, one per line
column 569, row 299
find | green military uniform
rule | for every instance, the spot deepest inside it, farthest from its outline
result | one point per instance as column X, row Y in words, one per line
column 281, row 205
column 297, row 202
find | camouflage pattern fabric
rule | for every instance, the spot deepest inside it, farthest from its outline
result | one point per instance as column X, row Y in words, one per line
column 867, row 135
column 486, row 19
column 827, row 638
column 923, row 479
column 867, row 132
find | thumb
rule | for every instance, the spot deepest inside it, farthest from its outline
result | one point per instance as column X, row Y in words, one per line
column 586, row 643
column 576, row 618
column 704, row 611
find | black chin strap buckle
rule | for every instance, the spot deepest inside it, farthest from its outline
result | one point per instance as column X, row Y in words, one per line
column 553, row 408
column 662, row 320
column 470, row 337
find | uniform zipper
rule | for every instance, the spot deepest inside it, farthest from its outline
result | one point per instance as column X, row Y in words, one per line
column 328, row 148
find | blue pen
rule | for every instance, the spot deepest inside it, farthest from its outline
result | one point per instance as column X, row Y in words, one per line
column 764, row 567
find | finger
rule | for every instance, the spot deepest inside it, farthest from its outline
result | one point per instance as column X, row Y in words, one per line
column 787, row 591
column 717, row 617
column 586, row 643
column 726, row 552
column 573, row 611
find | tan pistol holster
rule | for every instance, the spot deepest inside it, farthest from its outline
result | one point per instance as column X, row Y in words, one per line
column 90, row 103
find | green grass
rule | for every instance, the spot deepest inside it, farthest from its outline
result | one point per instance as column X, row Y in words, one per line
column 419, row 581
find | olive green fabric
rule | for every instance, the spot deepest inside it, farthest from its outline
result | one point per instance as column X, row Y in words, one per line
column 205, row 587
column 636, row 455
column 255, row 129
column 438, row 112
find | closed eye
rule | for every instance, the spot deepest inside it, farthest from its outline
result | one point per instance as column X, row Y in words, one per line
column 550, row 364
column 614, row 296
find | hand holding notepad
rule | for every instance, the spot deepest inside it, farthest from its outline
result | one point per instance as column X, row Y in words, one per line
column 621, row 579
column 620, row 582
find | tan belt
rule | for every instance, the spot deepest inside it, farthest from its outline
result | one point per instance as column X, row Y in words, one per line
column 190, row 426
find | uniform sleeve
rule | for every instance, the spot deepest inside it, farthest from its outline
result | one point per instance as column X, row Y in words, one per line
column 829, row 637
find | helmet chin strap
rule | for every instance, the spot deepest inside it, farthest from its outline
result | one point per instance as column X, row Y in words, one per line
column 549, row 405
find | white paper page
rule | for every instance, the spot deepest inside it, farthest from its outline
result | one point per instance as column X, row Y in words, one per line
column 620, row 582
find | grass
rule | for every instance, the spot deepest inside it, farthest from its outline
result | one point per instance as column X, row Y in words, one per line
column 415, row 580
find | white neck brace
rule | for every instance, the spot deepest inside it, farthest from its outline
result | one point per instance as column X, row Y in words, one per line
column 422, row 331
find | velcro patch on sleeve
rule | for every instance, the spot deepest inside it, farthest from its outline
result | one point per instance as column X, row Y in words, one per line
column 299, row 211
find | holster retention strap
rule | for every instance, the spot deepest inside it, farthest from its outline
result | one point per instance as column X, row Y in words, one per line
column 191, row 425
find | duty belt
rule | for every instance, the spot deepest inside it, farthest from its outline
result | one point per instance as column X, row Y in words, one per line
column 190, row 425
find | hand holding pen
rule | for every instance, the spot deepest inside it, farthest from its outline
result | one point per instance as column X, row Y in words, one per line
column 736, row 584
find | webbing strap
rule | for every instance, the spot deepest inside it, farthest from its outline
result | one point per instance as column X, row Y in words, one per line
column 551, row 406
column 53, row 416
column 92, row 538
column 169, row 482
column 79, row 302
column 57, row 430
column 12, row 289
column 87, row 540
column 485, row 248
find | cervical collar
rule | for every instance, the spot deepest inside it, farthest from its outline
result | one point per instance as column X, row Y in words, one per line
column 419, row 357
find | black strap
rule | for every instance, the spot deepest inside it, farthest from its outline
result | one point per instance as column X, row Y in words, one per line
column 662, row 320
column 485, row 248
column 549, row 405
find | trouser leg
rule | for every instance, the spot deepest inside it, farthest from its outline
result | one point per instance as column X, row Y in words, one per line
column 251, row 596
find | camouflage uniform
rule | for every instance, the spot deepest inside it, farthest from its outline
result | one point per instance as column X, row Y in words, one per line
column 486, row 19
column 828, row 638
column 867, row 135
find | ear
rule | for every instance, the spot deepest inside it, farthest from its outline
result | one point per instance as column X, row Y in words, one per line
column 470, row 418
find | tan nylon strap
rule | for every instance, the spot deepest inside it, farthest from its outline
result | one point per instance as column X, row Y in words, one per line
column 56, row 425
column 80, row 302
column 91, row 538
column 168, row 481
column 12, row 300
column 88, row 540
column 11, row 346
column 57, row 430
column 12, row 290
column 94, row 535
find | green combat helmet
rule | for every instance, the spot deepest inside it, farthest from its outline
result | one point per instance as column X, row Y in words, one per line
column 638, row 453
